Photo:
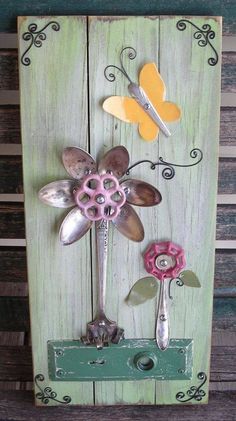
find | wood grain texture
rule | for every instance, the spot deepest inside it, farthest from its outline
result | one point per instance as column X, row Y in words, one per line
column 54, row 116
column 9, row 71
column 18, row 406
column 11, row 181
column 9, row 124
column 103, row 134
column 114, row 34
column 13, row 265
column 228, row 126
column 224, row 317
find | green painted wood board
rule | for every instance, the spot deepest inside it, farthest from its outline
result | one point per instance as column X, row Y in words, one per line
column 54, row 104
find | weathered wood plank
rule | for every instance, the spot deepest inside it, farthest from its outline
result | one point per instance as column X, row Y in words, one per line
column 11, row 175
column 227, row 176
column 16, row 363
column 10, row 124
column 183, row 215
column 225, row 268
column 19, row 289
column 12, row 221
column 228, row 79
column 226, row 222
column 18, row 406
column 14, row 314
column 59, row 276
column 9, row 71
column 115, row 34
column 228, row 126
column 224, row 314
column 13, row 264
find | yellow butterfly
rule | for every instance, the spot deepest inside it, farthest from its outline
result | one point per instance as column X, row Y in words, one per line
column 147, row 105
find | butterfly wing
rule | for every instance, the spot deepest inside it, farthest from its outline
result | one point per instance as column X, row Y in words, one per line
column 154, row 86
column 128, row 110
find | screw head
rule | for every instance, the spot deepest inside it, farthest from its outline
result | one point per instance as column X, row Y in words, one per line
column 59, row 352
column 100, row 199
column 147, row 106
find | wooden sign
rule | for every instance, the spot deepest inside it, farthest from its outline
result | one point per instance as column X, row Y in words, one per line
column 160, row 102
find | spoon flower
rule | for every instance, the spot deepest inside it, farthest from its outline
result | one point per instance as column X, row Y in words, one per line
column 96, row 192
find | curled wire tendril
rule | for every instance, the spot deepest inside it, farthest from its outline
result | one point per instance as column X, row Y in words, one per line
column 109, row 75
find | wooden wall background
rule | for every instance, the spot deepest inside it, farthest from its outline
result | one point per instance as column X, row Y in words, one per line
column 16, row 399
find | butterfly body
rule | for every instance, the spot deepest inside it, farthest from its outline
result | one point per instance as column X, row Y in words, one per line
column 146, row 106
column 142, row 99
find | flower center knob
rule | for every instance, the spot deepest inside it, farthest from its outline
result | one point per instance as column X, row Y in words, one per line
column 164, row 260
column 100, row 197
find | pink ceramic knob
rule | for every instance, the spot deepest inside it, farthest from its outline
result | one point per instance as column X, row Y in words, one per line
column 164, row 260
column 100, row 197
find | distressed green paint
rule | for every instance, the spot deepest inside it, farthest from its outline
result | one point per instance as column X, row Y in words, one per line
column 74, row 361
column 125, row 262
column 54, row 115
column 188, row 213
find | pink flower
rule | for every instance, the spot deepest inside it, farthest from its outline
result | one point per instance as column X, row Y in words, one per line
column 164, row 260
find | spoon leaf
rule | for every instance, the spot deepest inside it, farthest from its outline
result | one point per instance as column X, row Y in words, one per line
column 143, row 290
column 190, row 279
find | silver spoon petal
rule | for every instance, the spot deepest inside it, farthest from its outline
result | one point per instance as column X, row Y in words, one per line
column 140, row 193
column 115, row 161
column 129, row 224
column 78, row 163
column 58, row 194
column 74, row 227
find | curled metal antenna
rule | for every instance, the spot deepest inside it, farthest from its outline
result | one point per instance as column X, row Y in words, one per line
column 109, row 75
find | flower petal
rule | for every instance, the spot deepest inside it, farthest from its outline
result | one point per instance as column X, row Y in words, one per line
column 58, row 194
column 74, row 227
column 115, row 161
column 78, row 163
column 140, row 193
column 129, row 224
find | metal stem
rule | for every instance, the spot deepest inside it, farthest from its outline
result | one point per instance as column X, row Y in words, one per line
column 162, row 323
column 101, row 228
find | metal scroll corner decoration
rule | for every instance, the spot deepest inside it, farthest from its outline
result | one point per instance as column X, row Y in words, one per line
column 194, row 392
column 47, row 394
column 204, row 35
column 169, row 172
column 36, row 38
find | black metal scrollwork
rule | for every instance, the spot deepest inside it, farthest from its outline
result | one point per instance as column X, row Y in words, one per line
column 47, row 394
column 169, row 172
column 109, row 75
column 204, row 35
column 194, row 392
column 178, row 282
column 36, row 38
